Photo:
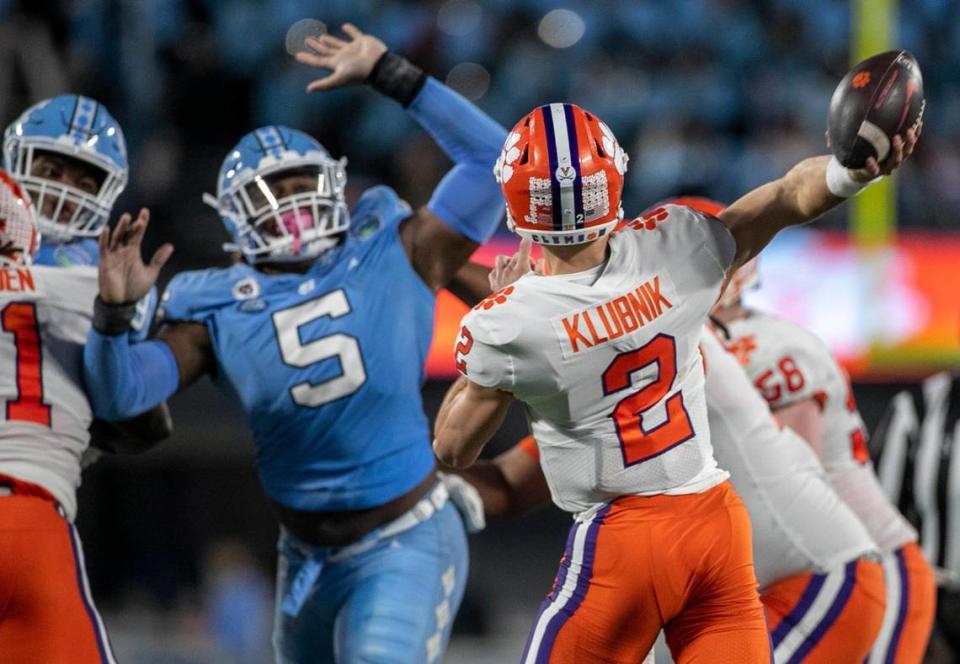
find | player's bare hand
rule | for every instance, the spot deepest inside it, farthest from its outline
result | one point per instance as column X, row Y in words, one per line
column 507, row 269
column 349, row 60
column 900, row 149
column 124, row 277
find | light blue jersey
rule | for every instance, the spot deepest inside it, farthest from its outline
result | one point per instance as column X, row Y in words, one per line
column 328, row 365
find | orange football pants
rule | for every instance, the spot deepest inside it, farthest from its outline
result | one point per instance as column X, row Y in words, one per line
column 831, row 618
column 911, row 608
column 46, row 613
column 642, row 563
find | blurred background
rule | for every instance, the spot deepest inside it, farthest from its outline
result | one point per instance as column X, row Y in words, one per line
column 709, row 97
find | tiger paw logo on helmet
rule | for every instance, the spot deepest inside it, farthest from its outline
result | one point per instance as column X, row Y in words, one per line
column 611, row 145
column 503, row 170
column 561, row 172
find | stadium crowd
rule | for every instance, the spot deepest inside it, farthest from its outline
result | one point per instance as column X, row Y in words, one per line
column 710, row 96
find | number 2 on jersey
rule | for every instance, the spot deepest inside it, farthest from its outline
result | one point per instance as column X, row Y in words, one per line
column 344, row 347
column 636, row 442
column 20, row 320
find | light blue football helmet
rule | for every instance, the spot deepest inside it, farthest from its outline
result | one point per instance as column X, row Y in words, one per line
column 270, row 218
column 76, row 127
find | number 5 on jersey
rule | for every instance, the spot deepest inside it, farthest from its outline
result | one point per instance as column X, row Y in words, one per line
column 636, row 442
column 296, row 353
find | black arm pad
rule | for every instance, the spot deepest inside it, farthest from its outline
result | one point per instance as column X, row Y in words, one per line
column 113, row 319
column 397, row 78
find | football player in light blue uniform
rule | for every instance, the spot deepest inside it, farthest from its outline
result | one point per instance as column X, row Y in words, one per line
column 70, row 156
column 321, row 332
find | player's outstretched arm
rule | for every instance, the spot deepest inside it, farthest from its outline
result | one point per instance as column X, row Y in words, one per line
column 471, row 283
column 468, row 418
column 466, row 206
column 125, row 380
column 802, row 195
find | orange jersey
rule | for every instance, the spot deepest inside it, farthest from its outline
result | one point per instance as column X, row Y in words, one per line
column 789, row 364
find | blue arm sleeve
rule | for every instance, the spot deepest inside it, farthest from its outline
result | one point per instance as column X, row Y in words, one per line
column 468, row 198
column 124, row 380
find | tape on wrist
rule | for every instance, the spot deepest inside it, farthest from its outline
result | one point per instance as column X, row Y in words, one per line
column 840, row 183
column 113, row 319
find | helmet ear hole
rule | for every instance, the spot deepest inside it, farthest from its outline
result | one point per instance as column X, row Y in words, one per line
column 600, row 150
column 525, row 155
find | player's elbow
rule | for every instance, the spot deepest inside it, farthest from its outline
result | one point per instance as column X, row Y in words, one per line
column 104, row 408
column 452, row 452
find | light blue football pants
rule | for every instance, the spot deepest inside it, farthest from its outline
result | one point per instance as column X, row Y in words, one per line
column 383, row 600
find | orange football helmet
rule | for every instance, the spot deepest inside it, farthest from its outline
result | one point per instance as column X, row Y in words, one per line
column 738, row 283
column 561, row 171
column 19, row 237
column 743, row 279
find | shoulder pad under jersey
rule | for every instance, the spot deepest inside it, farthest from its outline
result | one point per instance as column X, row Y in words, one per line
column 498, row 321
column 377, row 209
column 194, row 295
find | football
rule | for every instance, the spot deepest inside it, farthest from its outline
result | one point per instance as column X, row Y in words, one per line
column 877, row 99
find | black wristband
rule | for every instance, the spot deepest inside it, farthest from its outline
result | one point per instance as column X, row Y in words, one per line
column 397, row 77
column 113, row 319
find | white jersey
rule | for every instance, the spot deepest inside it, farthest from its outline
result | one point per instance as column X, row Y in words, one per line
column 800, row 524
column 45, row 314
column 789, row 364
column 607, row 361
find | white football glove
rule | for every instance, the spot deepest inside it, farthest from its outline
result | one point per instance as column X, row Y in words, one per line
column 467, row 501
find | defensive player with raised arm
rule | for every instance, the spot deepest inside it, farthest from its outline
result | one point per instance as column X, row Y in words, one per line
column 810, row 393
column 603, row 351
column 321, row 332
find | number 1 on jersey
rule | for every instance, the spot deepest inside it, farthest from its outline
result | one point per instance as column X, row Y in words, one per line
column 20, row 320
column 637, row 443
